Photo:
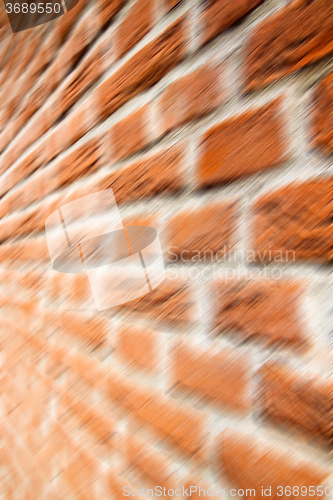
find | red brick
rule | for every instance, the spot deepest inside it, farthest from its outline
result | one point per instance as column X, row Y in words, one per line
column 297, row 35
column 130, row 134
column 171, row 302
column 155, row 174
column 249, row 463
column 322, row 117
column 243, row 145
column 294, row 222
column 265, row 310
column 150, row 461
column 93, row 330
column 86, row 74
column 201, row 233
column 135, row 26
column 83, row 160
column 302, row 401
column 106, row 9
column 139, row 346
column 144, row 69
column 221, row 14
column 183, row 425
column 190, row 98
column 223, row 377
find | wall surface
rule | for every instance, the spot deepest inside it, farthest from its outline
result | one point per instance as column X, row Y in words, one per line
column 212, row 122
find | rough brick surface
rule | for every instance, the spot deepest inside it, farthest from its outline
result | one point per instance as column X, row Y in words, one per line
column 249, row 464
column 146, row 97
column 135, row 26
column 201, row 233
column 140, row 347
column 190, row 98
column 130, row 134
column 223, row 376
column 298, row 35
column 265, row 310
column 243, row 145
column 144, row 69
column 221, row 14
column 157, row 173
column 322, row 115
column 299, row 400
column 295, row 221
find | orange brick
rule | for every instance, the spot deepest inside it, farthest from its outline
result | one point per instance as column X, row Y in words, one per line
column 201, row 233
column 288, row 51
column 323, row 108
column 135, row 26
column 248, row 463
column 150, row 461
column 264, row 310
column 222, row 376
column 221, row 14
column 302, row 401
column 243, row 145
column 157, row 173
column 138, row 346
column 190, row 98
column 130, row 134
column 294, row 222
column 144, row 69
column 171, row 303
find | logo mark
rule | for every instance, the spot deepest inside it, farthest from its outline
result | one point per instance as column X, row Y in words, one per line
column 87, row 236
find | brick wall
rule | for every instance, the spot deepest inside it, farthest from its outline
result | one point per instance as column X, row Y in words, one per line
column 212, row 122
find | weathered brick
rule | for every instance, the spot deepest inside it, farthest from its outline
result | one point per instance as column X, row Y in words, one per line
column 135, row 26
column 155, row 174
column 199, row 234
column 294, row 37
column 222, row 376
column 130, row 134
column 249, row 463
column 171, row 302
column 265, row 310
column 144, row 69
column 190, row 97
column 243, row 145
column 150, row 461
column 107, row 9
column 322, row 127
column 294, row 222
column 300, row 400
column 86, row 74
column 221, row 14
column 139, row 346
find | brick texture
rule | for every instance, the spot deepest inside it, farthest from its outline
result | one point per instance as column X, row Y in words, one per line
column 263, row 310
column 220, row 378
column 322, row 113
column 298, row 35
column 249, row 464
column 260, row 133
column 302, row 401
column 201, row 233
column 190, row 98
column 218, row 16
column 295, row 221
column 224, row 377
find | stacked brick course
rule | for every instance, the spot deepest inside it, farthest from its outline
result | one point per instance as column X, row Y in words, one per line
column 211, row 122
